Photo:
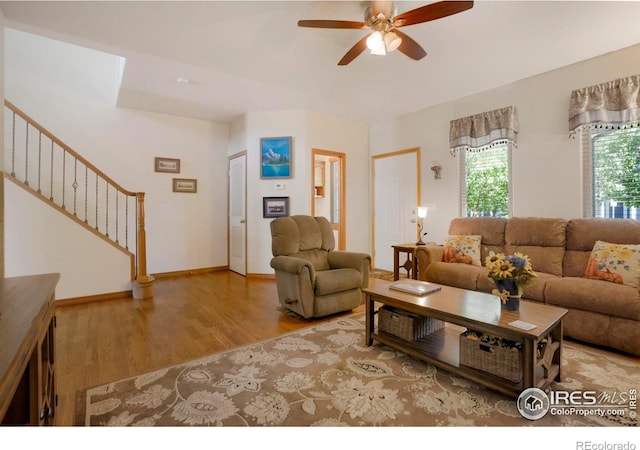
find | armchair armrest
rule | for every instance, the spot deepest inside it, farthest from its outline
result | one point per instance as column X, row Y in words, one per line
column 293, row 265
column 425, row 255
column 348, row 260
column 351, row 260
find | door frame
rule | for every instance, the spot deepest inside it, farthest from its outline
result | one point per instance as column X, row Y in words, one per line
column 229, row 159
column 342, row 224
column 374, row 158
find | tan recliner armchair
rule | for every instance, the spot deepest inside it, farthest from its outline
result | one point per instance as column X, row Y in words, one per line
column 312, row 279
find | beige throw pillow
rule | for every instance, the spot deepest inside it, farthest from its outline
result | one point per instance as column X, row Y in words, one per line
column 460, row 248
column 617, row 263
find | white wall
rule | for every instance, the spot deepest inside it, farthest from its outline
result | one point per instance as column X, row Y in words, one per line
column 184, row 231
column 87, row 265
column 308, row 130
column 273, row 124
column 546, row 164
column 327, row 132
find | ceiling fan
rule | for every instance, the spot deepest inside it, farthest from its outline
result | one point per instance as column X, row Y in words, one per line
column 382, row 19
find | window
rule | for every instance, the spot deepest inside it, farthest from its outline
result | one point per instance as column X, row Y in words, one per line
column 484, row 142
column 612, row 172
column 486, row 182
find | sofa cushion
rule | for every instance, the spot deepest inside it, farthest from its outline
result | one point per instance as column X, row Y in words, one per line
column 543, row 259
column 337, row 280
column 583, row 233
column 618, row 263
column 462, row 276
column 461, row 248
column 316, row 257
column 490, row 228
column 542, row 239
column 594, row 295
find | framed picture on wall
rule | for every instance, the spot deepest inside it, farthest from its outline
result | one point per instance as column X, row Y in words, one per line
column 275, row 207
column 187, row 185
column 170, row 165
column 276, row 156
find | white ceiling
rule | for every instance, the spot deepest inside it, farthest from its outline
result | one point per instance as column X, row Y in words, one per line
column 246, row 56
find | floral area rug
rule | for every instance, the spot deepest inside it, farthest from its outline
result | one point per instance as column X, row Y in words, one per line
column 324, row 375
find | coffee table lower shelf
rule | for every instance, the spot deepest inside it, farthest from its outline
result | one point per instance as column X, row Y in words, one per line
column 442, row 349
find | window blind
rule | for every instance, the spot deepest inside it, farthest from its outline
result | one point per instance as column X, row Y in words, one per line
column 611, row 161
column 486, row 182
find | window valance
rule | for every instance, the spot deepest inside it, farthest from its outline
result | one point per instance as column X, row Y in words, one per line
column 485, row 130
column 611, row 105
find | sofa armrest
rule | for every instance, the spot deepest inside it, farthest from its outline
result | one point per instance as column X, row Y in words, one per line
column 293, row 265
column 425, row 255
column 351, row 260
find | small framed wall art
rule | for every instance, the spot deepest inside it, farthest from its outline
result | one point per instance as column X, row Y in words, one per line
column 170, row 165
column 187, row 185
column 276, row 155
column 275, row 207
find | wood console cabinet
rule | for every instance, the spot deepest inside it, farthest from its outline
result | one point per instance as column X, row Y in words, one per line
column 27, row 350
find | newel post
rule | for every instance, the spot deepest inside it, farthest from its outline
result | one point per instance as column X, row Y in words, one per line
column 143, row 284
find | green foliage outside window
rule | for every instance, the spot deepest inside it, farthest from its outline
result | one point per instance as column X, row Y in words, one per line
column 487, row 182
column 616, row 166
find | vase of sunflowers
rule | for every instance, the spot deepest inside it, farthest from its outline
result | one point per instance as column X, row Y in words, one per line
column 510, row 274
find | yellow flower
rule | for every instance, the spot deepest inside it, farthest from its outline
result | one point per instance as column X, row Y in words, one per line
column 503, row 270
column 494, row 259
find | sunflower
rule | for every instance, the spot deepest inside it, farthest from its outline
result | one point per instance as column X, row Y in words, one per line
column 494, row 259
column 503, row 269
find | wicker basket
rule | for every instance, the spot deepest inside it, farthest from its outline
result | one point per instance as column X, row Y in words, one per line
column 504, row 362
column 406, row 325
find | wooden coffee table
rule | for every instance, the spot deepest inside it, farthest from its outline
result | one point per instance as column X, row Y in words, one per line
column 480, row 312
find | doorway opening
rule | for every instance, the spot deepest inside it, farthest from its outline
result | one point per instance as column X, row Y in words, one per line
column 328, row 193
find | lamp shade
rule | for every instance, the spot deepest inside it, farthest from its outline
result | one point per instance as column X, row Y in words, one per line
column 422, row 212
column 392, row 41
column 375, row 41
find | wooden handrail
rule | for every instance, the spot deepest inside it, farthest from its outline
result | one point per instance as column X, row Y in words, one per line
column 66, row 148
column 142, row 282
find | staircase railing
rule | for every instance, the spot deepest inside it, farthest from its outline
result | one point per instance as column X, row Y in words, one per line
column 52, row 171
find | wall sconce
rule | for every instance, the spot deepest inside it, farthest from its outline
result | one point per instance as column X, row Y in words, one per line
column 422, row 214
column 436, row 171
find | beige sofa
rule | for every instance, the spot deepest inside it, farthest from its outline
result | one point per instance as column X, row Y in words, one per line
column 600, row 312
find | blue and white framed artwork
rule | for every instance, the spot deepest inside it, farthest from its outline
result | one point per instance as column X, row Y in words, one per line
column 276, row 156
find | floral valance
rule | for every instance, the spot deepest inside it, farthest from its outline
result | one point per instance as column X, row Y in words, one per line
column 485, row 130
column 610, row 105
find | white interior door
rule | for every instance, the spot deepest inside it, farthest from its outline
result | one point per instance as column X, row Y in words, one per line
column 396, row 198
column 237, row 214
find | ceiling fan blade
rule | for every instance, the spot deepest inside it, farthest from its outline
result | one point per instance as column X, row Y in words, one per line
column 355, row 51
column 430, row 12
column 410, row 47
column 332, row 24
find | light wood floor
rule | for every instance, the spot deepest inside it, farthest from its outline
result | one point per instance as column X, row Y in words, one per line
column 187, row 318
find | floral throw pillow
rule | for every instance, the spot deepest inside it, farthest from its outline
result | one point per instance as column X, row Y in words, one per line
column 460, row 248
column 618, row 263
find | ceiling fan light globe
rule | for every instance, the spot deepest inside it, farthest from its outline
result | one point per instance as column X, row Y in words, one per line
column 379, row 51
column 392, row 41
column 375, row 41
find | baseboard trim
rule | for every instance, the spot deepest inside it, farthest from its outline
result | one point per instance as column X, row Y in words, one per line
column 186, row 273
column 163, row 275
column 263, row 276
column 94, row 298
